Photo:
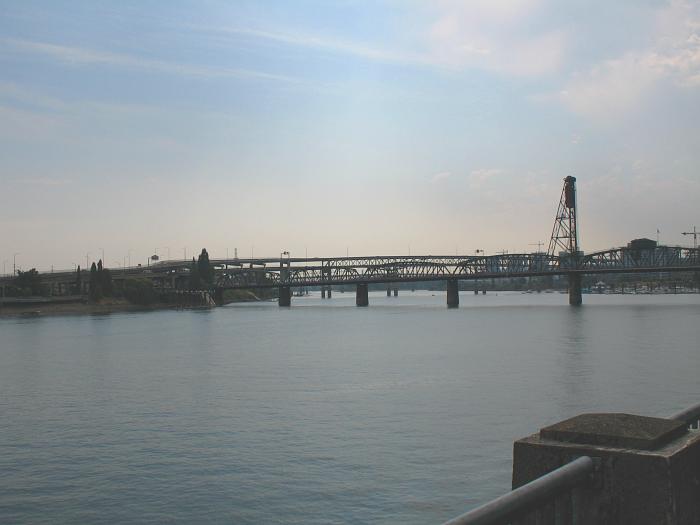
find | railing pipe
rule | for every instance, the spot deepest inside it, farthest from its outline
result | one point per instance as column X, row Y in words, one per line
column 528, row 497
column 690, row 415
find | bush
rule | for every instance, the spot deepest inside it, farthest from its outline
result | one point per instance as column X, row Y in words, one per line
column 140, row 291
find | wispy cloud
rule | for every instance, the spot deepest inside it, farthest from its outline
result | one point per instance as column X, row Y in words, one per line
column 452, row 35
column 440, row 177
column 494, row 35
column 621, row 85
column 477, row 178
column 326, row 43
column 79, row 56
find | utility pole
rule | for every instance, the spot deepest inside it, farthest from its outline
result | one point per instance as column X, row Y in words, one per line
column 694, row 233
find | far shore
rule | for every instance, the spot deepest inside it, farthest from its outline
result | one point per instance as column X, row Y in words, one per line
column 105, row 306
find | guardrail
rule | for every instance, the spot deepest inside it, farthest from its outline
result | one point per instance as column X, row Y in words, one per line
column 555, row 488
column 551, row 498
column 689, row 415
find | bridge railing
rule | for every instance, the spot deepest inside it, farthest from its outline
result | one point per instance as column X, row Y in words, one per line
column 554, row 493
column 553, row 497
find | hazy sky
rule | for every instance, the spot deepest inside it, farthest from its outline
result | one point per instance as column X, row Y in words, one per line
column 368, row 126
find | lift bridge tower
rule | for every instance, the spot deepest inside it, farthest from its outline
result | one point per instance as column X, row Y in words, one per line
column 564, row 240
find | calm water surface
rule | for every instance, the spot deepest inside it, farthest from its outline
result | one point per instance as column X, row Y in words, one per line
column 403, row 412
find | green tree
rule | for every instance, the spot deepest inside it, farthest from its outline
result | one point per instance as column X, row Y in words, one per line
column 28, row 283
column 95, row 287
column 205, row 270
column 195, row 278
column 140, row 291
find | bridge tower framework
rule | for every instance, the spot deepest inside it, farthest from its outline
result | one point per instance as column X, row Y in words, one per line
column 565, row 231
column 565, row 237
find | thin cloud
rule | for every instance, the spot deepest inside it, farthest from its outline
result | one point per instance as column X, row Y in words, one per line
column 323, row 43
column 477, row 178
column 82, row 57
column 453, row 36
column 622, row 85
column 439, row 177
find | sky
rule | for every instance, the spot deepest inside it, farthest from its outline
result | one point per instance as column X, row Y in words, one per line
column 326, row 127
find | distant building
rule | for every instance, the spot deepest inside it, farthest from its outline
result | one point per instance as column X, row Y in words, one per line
column 642, row 244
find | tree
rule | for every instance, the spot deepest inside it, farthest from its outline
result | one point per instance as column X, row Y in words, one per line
column 100, row 281
column 195, row 278
column 28, row 283
column 95, row 287
column 205, row 270
column 140, row 291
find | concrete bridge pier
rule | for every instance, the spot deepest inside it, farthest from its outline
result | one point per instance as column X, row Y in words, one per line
column 388, row 291
column 323, row 292
column 575, row 298
column 361, row 295
column 285, row 298
column 396, row 291
column 218, row 296
column 329, row 292
column 453, row 293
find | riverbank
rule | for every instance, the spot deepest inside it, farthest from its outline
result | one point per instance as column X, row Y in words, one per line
column 81, row 306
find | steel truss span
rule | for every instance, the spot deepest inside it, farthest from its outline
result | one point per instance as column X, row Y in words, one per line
column 562, row 258
column 353, row 270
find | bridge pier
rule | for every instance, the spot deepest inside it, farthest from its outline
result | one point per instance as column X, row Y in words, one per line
column 218, row 296
column 330, row 295
column 575, row 298
column 323, row 292
column 396, row 291
column 285, row 298
column 388, row 291
column 453, row 293
column 361, row 295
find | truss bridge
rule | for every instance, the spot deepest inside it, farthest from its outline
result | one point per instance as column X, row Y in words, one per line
column 563, row 258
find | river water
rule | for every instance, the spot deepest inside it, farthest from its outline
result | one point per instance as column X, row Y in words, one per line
column 403, row 412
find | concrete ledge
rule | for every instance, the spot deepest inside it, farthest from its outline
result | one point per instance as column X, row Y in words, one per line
column 632, row 486
column 616, row 430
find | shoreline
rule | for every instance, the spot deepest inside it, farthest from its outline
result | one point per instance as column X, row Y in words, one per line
column 42, row 309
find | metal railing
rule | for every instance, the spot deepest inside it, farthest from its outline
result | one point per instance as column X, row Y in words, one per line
column 690, row 415
column 525, row 500
column 554, row 493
